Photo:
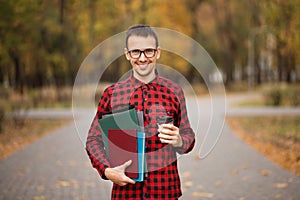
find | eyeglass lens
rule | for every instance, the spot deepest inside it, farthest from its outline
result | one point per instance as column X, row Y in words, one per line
column 136, row 53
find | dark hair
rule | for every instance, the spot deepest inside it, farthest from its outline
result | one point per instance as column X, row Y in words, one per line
column 141, row 30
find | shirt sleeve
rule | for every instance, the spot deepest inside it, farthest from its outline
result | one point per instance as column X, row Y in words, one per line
column 94, row 144
column 186, row 132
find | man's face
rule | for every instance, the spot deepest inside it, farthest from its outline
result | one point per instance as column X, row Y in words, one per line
column 144, row 65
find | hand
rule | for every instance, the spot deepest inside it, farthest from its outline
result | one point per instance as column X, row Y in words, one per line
column 168, row 133
column 117, row 174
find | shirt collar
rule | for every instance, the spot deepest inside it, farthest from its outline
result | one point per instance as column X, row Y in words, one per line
column 137, row 83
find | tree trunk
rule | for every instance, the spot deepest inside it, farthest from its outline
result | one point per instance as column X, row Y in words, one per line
column 279, row 64
column 19, row 81
column 92, row 21
column 257, row 72
column 61, row 11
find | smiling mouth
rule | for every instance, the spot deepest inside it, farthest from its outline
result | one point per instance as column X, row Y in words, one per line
column 143, row 66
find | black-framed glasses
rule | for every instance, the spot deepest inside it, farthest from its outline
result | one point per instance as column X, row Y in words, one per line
column 136, row 53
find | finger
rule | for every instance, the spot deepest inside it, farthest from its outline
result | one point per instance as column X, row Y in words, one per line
column 129, row 180
column 126, row 181
column 168, row 126
column 167, row 141
column 166, row 136
column 164, row 131
column 168, row 132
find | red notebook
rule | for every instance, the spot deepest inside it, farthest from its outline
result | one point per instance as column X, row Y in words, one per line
column 123, row 146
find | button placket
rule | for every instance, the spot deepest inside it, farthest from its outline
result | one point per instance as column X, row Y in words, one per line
column 145, row 92
column 145, row 95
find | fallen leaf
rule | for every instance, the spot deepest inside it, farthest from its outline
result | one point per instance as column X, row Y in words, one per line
column 188, row 184
column 79, row 198
column 265, row 172
column 42, row 197
column 278, row 196
column 280, row 185
column 218, row 183
column 200, row 187
column 40, row 187
column 234, row 172
column 22, row 171
column 90, row 184
column 63, row 184
column 186, row 175
column 202, row 194
column 245, row 166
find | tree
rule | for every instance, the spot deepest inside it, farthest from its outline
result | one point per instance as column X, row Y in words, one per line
column 223, row 29
column 283, row 16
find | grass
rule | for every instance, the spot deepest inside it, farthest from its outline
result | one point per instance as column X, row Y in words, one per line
column 269, row 94
column 13, row 138
column 277, row 137
column 251, row 103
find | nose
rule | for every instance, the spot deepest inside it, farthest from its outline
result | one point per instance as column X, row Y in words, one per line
column 143, row 57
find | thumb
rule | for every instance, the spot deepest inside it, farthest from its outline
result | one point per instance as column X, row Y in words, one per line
column 126, row 164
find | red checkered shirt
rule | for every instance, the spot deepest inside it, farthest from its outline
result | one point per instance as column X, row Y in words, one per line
column 160, row 97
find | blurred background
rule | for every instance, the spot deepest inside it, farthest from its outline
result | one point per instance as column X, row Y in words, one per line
column 255, row 45
column 44, row 42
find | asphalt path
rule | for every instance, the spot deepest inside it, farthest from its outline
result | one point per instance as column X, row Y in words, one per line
column 57, row 167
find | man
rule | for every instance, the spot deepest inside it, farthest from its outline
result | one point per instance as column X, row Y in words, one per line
column 155, row 96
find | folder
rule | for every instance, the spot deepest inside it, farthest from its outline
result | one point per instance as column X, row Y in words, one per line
column 123, row 146
column 124, row 139
column 141, row 156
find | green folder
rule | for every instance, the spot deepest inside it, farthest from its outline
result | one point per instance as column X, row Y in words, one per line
column 121, row 120
column 125, row 120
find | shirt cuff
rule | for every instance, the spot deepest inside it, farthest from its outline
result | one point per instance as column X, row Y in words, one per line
column 185, row 148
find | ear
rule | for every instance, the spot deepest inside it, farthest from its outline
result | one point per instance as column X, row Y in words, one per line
column 126, row 54
column 158, row 53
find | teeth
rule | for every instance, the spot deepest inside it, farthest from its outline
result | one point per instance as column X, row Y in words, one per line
column 143, row 66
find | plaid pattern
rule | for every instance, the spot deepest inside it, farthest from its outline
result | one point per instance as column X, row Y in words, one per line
column 160, row 97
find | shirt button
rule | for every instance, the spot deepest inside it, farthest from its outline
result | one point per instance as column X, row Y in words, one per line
column 145, row 99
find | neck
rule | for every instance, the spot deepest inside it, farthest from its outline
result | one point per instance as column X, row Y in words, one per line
column 144, row 79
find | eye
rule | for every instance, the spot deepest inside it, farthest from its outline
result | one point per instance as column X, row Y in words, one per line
column 149, row 51
column 135, row 51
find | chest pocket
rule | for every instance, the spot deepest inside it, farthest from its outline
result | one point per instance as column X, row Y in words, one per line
column 159, row 113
